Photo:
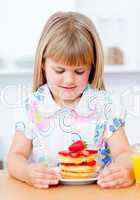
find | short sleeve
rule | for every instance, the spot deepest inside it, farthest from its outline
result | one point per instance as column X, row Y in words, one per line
column 115, row 115
column 22, row 122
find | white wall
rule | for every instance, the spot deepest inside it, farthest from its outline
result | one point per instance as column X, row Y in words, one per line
column 126, row 87
column 22, row 21
column 116, row 22
column 9, row 96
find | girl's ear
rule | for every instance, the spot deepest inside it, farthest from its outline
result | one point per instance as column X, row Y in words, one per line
column 92, row 72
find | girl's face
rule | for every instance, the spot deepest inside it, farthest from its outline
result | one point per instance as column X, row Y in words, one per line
column 66, row 83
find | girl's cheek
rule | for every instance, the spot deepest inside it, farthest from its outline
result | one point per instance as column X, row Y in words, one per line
column 55, row 80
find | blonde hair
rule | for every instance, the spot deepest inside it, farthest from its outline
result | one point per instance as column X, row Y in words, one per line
column 70, row 38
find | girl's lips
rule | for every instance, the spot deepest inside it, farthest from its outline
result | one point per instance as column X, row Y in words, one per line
column 68, row 88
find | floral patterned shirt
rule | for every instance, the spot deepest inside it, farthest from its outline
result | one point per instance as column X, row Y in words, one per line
column 52, row 128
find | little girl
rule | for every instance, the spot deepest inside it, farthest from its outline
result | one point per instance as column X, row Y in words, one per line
column 68, row 103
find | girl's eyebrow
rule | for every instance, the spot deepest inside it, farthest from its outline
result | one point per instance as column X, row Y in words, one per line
column 77, row 68
column 56, row 66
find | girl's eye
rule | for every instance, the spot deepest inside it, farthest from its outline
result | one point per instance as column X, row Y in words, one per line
column 79, row 72
column 59, row 72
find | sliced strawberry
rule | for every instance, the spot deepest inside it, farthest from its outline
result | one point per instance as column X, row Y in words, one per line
column 67, row 164
column 75, row 154
column 85, row 153
column 91, row 151
column 64, row 153
column 79, row 145
column 91, row 163
column 70, row 164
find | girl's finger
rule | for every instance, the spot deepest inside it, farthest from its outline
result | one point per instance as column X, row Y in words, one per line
column 44, row 182
column 46, row 170
column 46, row 176
column 53, row 182
column 126, row 184
column 110, row 177
column 111, row 184
column 111, row 169
column 40, row 186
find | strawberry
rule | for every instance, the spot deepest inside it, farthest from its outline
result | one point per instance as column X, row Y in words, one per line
column 91, row 163
column 85, row 153
column 64, row 153
column 92, row 151
column 75, row 154
column 79, row 145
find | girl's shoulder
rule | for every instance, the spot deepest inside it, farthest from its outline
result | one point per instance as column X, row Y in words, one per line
column 41, row 102
column 102, row 96
column 93, row 100
column 38, row 97
column 40, row 93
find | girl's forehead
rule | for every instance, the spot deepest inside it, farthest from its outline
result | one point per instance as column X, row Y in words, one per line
column 52, row 63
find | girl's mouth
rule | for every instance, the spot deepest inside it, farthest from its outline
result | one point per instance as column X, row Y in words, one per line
column 68, row 88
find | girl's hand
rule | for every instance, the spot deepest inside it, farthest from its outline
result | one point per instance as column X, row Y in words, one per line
column 115, row 176
column 40, row 176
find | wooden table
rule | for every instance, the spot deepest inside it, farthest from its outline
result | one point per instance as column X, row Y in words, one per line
column 11, row 189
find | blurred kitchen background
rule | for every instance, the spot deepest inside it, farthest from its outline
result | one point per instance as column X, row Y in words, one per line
column 21, row 23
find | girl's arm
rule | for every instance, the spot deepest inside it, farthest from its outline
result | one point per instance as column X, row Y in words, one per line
column 36, row 174
column 18, row 155
column 120, row 149
column 119, row 173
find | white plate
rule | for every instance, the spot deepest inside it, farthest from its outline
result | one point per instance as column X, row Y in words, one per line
column 78, row 181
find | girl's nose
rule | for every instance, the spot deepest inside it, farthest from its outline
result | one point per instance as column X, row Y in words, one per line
column 69, row 78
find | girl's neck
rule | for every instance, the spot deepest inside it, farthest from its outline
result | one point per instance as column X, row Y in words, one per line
column 66, row 103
